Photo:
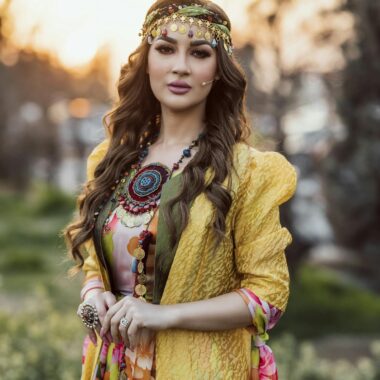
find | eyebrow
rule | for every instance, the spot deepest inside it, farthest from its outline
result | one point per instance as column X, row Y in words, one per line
column 192, row 43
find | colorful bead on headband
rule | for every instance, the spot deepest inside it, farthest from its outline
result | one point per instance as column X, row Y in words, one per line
column 181, row 15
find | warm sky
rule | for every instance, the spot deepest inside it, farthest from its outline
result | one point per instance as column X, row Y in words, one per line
column 73, row 30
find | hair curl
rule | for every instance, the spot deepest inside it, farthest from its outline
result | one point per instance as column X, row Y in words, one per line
column 132, row 121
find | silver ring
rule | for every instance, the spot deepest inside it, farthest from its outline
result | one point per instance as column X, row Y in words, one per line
column 124, row 322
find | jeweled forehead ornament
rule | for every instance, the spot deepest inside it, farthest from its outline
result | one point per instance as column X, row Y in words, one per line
column 210, row 25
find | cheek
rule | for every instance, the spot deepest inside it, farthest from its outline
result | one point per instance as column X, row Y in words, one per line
column 157, row 66
column 204, row 70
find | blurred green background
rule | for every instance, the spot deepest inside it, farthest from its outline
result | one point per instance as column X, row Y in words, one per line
column 313, row 71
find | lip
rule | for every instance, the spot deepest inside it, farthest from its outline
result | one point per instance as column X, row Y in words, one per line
column 178, row 90
column 179, row 83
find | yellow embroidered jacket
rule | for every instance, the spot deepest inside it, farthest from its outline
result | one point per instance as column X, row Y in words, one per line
column 252, row 255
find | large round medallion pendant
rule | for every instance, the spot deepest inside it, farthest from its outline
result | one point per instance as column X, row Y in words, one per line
column 143, row 193
column 146, row 185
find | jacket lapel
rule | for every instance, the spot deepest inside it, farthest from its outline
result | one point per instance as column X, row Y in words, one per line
column 169, row 190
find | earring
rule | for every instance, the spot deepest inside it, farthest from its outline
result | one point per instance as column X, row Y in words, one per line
column 158, row 119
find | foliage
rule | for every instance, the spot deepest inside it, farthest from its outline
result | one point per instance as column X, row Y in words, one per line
column 320, row 304
column 299, row 361
column 40, row 342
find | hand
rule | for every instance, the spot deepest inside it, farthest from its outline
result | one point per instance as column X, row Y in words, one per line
column 102, row 301
column 142, row 315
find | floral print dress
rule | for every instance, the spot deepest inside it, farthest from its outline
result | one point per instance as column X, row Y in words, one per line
column 116, row 361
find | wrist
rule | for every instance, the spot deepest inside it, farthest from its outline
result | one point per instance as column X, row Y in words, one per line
column 173, row 317
column 92, row 292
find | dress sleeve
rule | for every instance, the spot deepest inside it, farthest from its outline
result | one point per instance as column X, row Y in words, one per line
column 260, row 242
column 92, row 278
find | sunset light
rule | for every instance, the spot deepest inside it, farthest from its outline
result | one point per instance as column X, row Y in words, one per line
column 72, row 31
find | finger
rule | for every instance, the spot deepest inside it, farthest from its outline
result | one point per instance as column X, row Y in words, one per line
column 132, row 333
column 106, row 338
column 115, row 323
column 107, row 318
column 109, row 315
column 100, row 307
column 123, row 330
column 109, row 299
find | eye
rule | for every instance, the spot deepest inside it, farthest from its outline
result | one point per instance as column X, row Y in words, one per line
column 201, row 53
column 164, row 49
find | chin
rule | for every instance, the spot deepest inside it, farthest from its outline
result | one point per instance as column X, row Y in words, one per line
column 176, row 107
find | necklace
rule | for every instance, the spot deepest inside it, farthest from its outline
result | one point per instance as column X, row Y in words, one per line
column 137, row 203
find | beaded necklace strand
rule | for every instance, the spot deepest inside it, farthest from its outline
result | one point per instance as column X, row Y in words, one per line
column 139, row 203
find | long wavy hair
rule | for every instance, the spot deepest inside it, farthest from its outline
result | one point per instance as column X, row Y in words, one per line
column 132, row 122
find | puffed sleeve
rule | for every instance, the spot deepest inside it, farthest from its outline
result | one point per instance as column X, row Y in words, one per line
column 92, row 276
column 260, row 240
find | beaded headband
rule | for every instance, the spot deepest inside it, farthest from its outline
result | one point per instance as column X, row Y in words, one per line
column 194, row 14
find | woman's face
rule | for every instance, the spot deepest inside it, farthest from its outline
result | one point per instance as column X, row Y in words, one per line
column 177, row 57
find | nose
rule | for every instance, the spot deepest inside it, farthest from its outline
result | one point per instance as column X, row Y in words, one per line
column 181, row 66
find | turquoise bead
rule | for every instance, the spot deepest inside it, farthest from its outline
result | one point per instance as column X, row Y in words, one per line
column 134, row 265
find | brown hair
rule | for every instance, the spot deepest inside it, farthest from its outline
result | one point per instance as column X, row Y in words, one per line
column 132, row 121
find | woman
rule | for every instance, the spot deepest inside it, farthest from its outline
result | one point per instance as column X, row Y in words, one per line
column 179, row 234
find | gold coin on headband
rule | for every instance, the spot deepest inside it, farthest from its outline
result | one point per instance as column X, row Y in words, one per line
column 158, row 31
column 173, row 27
column 140, row 289
column 139, row 253
column 154, row 34
column 182, row 29
column 207, row 35
column 140, row 267
column 199, row 33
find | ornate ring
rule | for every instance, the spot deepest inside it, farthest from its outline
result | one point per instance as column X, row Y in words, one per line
column 124, row 322
column 89, row 315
